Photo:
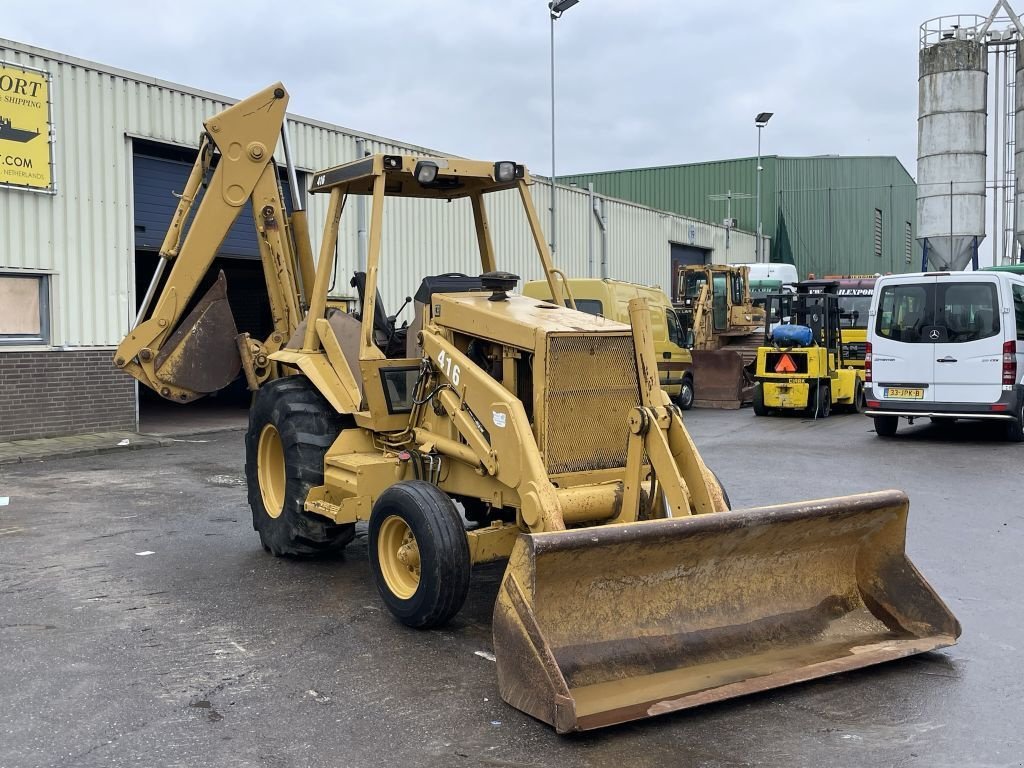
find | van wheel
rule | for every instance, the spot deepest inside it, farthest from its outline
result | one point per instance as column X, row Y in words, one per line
column 759, row 406
column 885, row 426
column 820, row 401
column 1015, row 428
column 685, row 399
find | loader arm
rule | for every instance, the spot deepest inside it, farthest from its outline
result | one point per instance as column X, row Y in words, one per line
column 183, row 358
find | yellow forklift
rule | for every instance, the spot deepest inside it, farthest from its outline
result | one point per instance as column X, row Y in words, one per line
column 802, row 367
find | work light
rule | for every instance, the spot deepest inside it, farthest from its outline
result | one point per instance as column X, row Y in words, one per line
column 426, row 172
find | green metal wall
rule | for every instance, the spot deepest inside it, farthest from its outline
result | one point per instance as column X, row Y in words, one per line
column 818, row 211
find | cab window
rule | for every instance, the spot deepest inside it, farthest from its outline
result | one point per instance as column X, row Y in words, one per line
column 737, row 289
column 675, row 331
column 853, row 311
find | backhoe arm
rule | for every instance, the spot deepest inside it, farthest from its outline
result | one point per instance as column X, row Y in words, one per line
column 185, row 359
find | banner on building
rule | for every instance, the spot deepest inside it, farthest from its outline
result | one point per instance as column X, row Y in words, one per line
column 26, row 156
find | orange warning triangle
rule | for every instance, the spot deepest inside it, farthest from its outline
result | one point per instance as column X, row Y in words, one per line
column 785, row 364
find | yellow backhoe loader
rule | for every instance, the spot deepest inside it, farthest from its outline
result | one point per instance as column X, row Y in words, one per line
column 725, row 329
column 631, row 590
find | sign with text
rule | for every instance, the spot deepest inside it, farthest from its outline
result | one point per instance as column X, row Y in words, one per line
column 25, row 156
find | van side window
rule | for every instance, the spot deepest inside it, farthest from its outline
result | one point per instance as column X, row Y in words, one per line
column 1018, row 310
column 590, row 306
column 902, row 312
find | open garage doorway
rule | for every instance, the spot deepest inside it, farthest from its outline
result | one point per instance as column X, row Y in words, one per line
column 684, row 255
column 159, row 173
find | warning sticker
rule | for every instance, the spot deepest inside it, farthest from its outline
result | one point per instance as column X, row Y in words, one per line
column 25, row 157
column 785, row 364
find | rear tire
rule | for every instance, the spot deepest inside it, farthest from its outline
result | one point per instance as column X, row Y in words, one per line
column 419, row 554
column 685, row 399
column 819, row 397
column 758, row 397
column 885, row 426
column 1015, row 428
column 291, row 426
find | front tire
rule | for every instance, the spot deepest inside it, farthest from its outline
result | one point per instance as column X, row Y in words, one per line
column 291, row 426
column 685, row 399
column 885, row 426
column 419, row 554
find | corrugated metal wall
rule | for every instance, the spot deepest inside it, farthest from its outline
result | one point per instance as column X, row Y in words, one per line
column 84, row 233
column 818, row 211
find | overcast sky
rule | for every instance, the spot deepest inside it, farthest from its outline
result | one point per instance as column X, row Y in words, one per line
column 638, row 83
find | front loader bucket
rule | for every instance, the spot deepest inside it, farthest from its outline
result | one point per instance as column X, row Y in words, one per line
column 719, row 379
column 596, row 626
column 202, row 354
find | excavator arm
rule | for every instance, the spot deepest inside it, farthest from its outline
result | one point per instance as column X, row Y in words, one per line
column 182, row 348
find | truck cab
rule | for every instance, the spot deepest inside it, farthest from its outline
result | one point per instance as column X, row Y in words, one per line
column 610, row 299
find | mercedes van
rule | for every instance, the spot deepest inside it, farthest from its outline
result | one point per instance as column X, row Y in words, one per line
column 946, row 345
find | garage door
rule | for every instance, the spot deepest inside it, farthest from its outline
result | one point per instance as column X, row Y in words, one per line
column 156, row 182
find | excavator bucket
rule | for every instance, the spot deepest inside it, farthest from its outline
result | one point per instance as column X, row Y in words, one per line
column 202, row 354
column 720, row 379
column 596, row 626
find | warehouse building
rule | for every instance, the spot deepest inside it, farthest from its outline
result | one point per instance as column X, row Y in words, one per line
column 90, row 160
column 826, row 215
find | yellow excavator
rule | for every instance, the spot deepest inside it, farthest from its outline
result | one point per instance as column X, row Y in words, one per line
column 725, row 329
column 631, row 589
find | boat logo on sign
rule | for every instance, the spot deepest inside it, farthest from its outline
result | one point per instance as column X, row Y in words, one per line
column 785, row 364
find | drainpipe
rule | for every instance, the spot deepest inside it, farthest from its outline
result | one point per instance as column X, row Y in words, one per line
column 597, row 206
column 590, row 234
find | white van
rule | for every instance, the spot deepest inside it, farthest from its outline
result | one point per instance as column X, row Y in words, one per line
column 946, row 345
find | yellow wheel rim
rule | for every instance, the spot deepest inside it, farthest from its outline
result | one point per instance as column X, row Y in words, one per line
column 399, row 557
column 270, row 470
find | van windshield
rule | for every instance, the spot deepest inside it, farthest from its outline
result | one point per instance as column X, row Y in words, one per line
column 933, row 313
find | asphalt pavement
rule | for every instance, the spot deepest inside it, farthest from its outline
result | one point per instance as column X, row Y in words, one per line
column 142, row 624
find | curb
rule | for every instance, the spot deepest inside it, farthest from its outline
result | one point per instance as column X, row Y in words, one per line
column 144, row 441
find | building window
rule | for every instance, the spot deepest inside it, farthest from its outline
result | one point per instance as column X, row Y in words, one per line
column 24, row 309
column 910, row 243
column 878, row 232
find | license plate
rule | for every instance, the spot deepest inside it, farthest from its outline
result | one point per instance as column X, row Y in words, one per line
column 903, row 393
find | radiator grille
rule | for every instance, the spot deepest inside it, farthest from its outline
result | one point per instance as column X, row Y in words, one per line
column 591, row 388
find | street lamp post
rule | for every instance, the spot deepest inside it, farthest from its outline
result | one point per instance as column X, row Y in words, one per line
column 761, row 120
column 556, row 8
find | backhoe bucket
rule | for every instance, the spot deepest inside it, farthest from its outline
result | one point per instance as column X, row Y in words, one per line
column 602, row 625
column 719, row 379
column 202, row 354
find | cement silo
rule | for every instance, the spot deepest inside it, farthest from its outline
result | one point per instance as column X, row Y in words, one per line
column 953, row 95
